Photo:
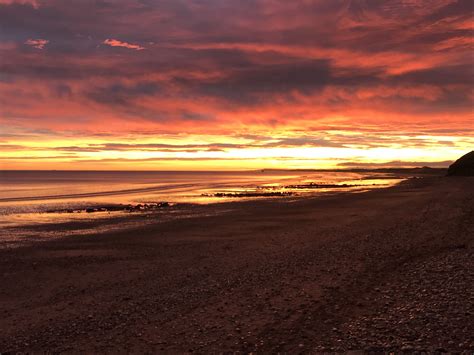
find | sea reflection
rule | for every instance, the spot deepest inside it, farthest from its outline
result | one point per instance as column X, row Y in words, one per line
column 68, row 203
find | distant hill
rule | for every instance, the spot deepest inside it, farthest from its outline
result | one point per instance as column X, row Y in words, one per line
column 421, row 170
column 464, row 166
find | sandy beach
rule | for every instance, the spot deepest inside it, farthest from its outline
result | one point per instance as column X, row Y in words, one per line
column 387, row 269
column 236, row 177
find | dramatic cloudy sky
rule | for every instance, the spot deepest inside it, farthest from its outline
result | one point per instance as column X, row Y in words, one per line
column 234, row 84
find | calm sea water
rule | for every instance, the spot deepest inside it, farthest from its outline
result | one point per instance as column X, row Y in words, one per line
column 25, row 196
column 36, row 188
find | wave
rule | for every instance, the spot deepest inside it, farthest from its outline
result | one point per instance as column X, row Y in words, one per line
column 96, row 194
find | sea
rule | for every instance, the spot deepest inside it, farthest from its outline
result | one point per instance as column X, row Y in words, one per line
column 38, row 198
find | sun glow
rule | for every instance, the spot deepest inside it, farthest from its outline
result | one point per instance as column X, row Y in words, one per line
column 197, row 152
column 287, row 85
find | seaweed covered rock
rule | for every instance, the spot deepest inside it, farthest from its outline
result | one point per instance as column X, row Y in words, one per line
column 464, row 166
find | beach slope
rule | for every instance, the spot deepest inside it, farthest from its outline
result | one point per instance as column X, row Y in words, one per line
column 388, row 269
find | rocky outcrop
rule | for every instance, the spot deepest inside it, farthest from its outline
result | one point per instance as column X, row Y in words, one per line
column 464, row 166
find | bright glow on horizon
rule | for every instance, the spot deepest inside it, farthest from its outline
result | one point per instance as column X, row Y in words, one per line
column 201, row 154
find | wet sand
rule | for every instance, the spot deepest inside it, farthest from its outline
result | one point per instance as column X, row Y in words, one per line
column 388, row 269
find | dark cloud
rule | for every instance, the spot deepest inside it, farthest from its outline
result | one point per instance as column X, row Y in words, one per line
column 251, row 84
column 331, row 140
column 305, row 141
column 11, row 147
column 53, row 68
column 63, row 91
column 437, row 36
column 453, row 9
column 120, row 94
column 462, row 74
column 49, row 157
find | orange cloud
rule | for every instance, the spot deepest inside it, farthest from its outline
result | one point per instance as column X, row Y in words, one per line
column 117, row 43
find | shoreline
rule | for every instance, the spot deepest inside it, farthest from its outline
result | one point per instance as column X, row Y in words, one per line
column 70, row 192
column 89, row 217
column 311, row 275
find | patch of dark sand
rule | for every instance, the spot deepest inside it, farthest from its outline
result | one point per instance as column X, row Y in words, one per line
column 267, row 276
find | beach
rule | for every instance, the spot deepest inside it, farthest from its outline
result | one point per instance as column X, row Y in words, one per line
column 378, row 270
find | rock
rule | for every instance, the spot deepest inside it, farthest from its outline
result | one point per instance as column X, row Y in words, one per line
column 249, row 194
column 464, row 166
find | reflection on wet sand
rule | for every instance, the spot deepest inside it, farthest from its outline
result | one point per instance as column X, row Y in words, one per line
column 24, row 217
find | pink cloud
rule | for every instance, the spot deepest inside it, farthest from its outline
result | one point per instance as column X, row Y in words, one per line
column 37, row 43
column 9, row 2
column 117, row 43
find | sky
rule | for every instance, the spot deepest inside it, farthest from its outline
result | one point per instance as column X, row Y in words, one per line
column 231, row 85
